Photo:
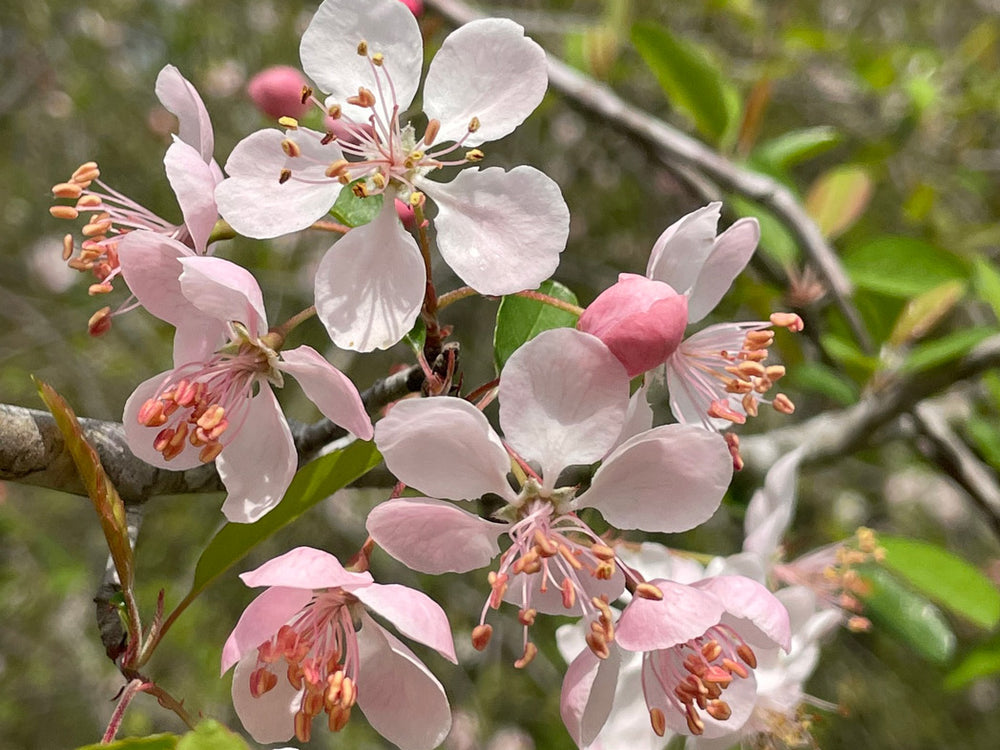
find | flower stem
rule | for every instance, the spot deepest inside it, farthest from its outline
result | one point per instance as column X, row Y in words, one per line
column 554, row 302
column 454, row 296
column 129, row 692
column 430, row 308
column 285, row 328
column 330, row 226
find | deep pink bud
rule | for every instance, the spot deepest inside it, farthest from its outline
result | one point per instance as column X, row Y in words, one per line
column 640, row 320
column 277, row 92
column 406, row 215
column 416, row 6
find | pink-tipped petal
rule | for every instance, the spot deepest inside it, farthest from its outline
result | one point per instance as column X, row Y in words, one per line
column 370, row 284
column 444, row 447
column 501, row 232
column 269, row 718
column 431, row 536
column 414, row 614
column 253, row 199
column 683, row 613
column 489, row 70
column 305, row 568
column 259, row 463
column 329, row 51
column 563, row 398
column 771, row 508
column 140, row 437
column 399, row 696
column 680, row 252
column 746, row 599
column 261, row 620
column 330, row 389
column 224, row 291
column 668, row 479
column 588, row 692
column 730, row 254
column 181, row 98
column 193, row 183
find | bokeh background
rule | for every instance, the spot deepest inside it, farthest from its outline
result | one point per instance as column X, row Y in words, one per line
column 909, row 96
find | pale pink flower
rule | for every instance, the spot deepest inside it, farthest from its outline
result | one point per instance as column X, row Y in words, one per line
column 500, row 231
column 698, row 644
column 217, row 403
column 718, row 373
column 563, row 402
column 308, row 646
column 277, row 91
column 191, row 171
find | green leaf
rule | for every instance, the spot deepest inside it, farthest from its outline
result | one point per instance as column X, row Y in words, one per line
column 985, row 438
column 818, row 378
column 906, row 615
column 352, row 211
column 847, row 353
column 923, row 312
column 416, row 337
column 944, row 578
column 109, row 506
column 796, row 146
column 152, row 742
column 944, row 350
column 987, row 281
column 982, row 661
column 901, row 266
column 211, row 735
column 693, row 83
column 520, row 319
column 314, row 482
column 838, row 197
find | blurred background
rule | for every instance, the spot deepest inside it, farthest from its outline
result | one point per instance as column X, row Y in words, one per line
column 882, row 116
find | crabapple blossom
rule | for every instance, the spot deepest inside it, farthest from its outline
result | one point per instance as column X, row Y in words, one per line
column 191, row 171
column 308, row 646
column 666, row 479
column 217, row 403
column 277, row 91
column 500, row 231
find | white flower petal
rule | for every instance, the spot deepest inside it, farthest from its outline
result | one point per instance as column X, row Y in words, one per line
column 181, row 98
column 399, row 696
column 413, row 613
column 253, row 200
column 194, row 185
column 269, row 718
column 771, row 508
column 730, row 254
column 224, row 291
column 444, row 447
column 489, row 70
column 563, row 400
column 139, row 437
column 681, row 251
column 259, row 463
column 501, row 232
column 588, row 692
column 261, row 620
column 370, row 284
column 329, row 50
column 668, row 479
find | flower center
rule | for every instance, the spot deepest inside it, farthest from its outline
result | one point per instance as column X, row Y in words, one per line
column 319, row 649
column 693, row 676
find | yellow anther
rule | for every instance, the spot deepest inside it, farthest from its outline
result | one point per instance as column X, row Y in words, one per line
column 527, row 616
column 87, row 201
column 416, row 198
column 719, row 710
column 334, row 111
column 210, row 452
column 750, row 369
column 602, row 552
column 791, row 321
column 481, row 635
column 337, row 168
column 598, row 645
column 86, row 172
column 291, row 148
column 648, row 591
column 102, row 288
column 378, row 59
column 64, row 212
column 363, row 48
column 307, row 92
column 750, row 404
column 774, row 372
column 285, row 176
column 658, row 721
column 67, row 247
column 378, row 180
column 364, row 98
column 288, row 122
column 474, row 154
column 530, row 650
column 473, row 124
column 360, row 190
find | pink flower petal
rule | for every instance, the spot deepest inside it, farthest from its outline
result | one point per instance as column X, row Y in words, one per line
column 588, row 692
column 140, row 438
column 269, row 718
column 771, row 508
column 370, row 284
column 489, row 70
column 668, row 479
column 683, row 613
column 181, row 98
column 730, row 254
column 259, row 463
column 399, row 696
column 563, row 398
column 638, row 418
column 681, row 251
column 253, row 200
column 413, row 613
column 151, row 267
column 194, row 185
column 746, row 599
column 329, row 51
column 330, row 389
column 224, row 291
column 305, row 568
column 444, row 447
column 431, row 536
column 261, row 620
column 501, row 232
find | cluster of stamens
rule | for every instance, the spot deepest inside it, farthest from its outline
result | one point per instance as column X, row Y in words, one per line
column 695, row 674
column 380, row 152
column 320, row 653
column 563, row 552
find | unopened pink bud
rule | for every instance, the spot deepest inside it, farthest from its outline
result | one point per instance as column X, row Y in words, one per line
column 640, row 320
column 416, row 6
column 405, row 212
column 277, row 92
